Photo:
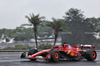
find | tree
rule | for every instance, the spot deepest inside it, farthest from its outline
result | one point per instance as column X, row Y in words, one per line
column 22, row 34
column 74, row 15
column 44, row 30
column 57, row 25
column 81, row 29
column 35, row 20
column 94, row 21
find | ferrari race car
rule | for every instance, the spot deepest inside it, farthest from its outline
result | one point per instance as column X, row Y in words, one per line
column 66, row 52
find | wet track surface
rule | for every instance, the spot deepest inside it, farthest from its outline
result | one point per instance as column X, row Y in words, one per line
column 13, row 59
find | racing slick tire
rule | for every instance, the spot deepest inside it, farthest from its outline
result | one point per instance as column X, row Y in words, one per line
column 91, row 55
column 31, row 52
column 55, row 55
column 23, row 55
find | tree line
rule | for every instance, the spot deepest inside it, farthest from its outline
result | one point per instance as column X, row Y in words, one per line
column 82, row 29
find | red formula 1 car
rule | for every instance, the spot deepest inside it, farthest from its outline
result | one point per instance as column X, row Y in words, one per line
column 66, row 52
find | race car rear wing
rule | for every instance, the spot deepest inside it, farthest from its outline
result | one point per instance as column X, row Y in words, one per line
column 85, row 46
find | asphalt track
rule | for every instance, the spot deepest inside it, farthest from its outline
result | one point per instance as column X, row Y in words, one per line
column 13, row 59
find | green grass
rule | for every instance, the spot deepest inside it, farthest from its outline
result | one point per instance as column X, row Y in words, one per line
column 27, row 47
column 19, row 47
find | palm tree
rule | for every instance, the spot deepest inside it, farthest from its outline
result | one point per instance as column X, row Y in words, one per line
column 57, row 25
column 35, row 20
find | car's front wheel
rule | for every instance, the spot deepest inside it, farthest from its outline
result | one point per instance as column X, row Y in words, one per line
column 31, row 52
column 55, row 55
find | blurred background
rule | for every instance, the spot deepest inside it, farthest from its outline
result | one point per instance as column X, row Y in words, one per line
column 71, row 21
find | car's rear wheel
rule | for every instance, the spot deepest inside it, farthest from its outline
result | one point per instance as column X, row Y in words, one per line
column 55, row 55
column 31, row 52
column 91, row 55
